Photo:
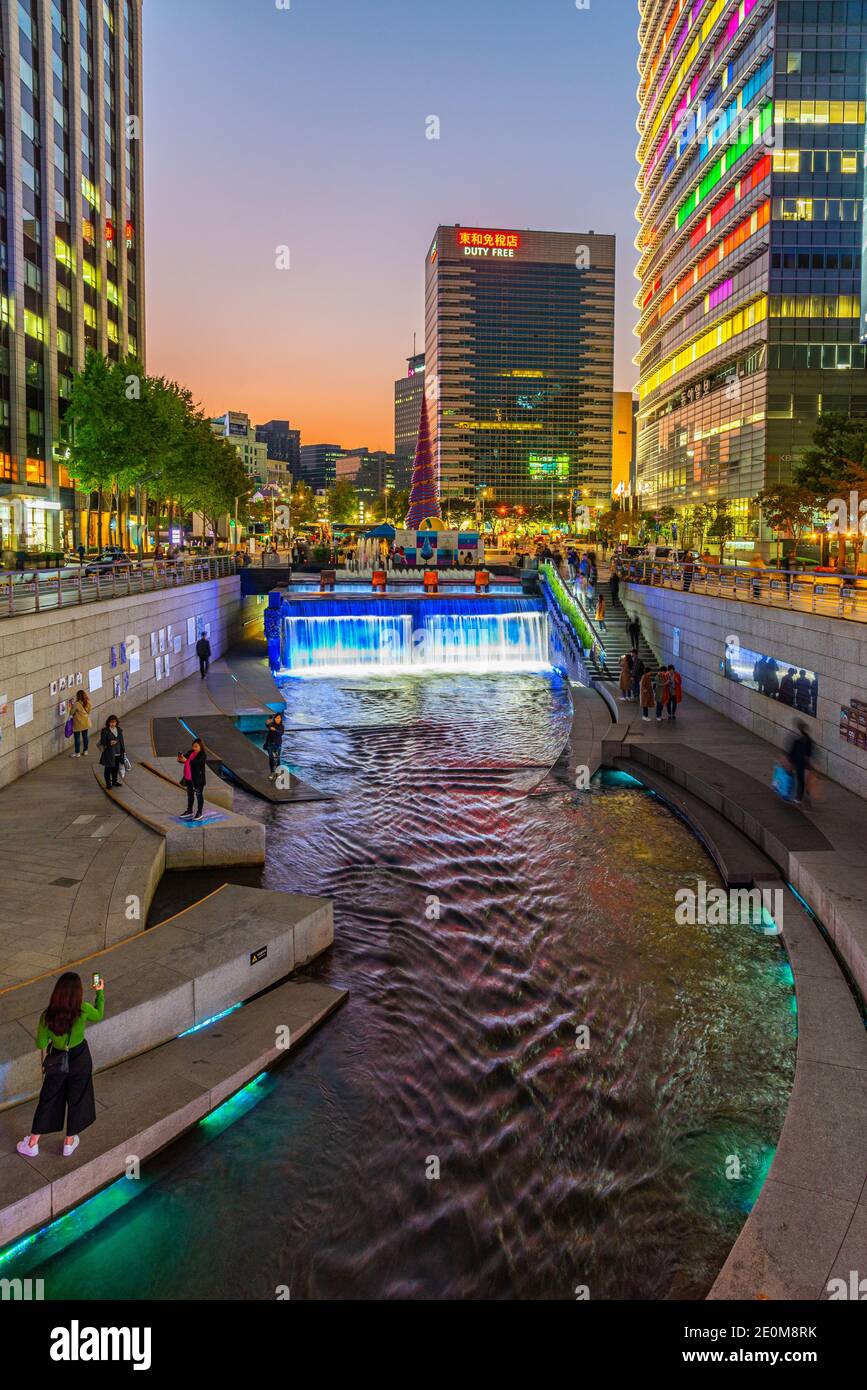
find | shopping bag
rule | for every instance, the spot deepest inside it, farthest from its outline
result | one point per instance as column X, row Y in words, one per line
column 68, row 729
column 782, row 782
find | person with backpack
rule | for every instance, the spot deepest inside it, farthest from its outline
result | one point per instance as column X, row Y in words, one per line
column 81, row 724
column 203, row 652
column 66, row 1100
column 274, row 731
column 193, row 779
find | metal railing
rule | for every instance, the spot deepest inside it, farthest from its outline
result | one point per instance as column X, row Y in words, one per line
column 37, row 591
column 827, row 594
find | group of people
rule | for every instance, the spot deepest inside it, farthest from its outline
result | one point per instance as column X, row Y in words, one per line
column 663, row 690
column 793, row 688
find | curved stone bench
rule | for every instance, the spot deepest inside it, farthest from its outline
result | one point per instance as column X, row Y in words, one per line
column 224, row 949
column 157, row 803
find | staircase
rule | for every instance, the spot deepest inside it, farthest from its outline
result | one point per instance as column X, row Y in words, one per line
column 615, row 640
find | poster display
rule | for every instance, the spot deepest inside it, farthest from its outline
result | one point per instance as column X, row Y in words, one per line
column 23, row 711
column 94, row 679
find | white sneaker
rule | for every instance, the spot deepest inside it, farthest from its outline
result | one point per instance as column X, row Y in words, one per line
column 70, row 1147
column 75, row 755
column 24, row 1148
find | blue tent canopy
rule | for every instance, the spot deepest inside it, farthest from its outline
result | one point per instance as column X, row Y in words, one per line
column 383, row 532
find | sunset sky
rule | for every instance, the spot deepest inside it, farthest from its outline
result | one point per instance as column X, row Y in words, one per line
column 305, row 128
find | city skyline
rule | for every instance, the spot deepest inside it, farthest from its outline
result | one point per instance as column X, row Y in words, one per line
column 221, row 315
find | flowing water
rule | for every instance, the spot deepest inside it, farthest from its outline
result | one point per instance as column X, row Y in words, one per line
column 442, row 1136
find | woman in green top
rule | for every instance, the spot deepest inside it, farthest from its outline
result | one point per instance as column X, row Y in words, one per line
column 66, row 1099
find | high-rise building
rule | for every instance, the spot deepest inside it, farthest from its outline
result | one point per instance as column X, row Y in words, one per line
column 71, row 242
column 519, row 354
column 235, row 427
column 751, row 185
column 283, row 444
column 408, row 396
column 318, row 464
column 623, row 443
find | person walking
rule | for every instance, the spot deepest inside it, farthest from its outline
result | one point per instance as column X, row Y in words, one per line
column 66, row 1100
column 633, row 627
column 646, row 696
column 112, row 751
column 81, row 723
column 193, row 779
column 274, row 730
column 626, row 677
column 675, row 691
column 803, row 693
column 614, row 587
column 203, row 652
column 799, row 753
column 662, row 688
column 600, row 612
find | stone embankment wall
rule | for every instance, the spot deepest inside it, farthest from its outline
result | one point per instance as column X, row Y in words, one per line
column 42, row 656
column 692, row 630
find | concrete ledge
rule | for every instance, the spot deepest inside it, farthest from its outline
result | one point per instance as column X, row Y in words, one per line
column 158, row 804
column 224, row 949
column 146, row 1103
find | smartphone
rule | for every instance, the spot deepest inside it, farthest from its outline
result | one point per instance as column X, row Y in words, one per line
column 97, row 979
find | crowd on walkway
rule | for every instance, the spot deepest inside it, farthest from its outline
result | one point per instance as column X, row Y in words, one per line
column 662, row 690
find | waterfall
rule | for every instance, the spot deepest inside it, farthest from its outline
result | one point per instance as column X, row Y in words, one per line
column 369, row 642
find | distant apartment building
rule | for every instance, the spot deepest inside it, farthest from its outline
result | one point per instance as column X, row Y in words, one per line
column 71, row 241
column 235, row 426
column 408, row 396
column 318, row 464
column 283, row 445
column 372, row 472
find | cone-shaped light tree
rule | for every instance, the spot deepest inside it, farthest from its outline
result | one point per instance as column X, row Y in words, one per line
column 423, row 497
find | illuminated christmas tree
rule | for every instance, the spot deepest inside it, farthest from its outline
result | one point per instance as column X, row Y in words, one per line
column 423, row 496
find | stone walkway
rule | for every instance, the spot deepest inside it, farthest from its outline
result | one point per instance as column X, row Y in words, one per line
column 72, row 860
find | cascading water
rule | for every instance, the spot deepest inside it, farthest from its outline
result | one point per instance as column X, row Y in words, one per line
column 412, row 635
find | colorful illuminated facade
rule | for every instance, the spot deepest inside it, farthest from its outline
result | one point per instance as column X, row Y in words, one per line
column 72, row 269
column 519, row 351
column 751, row 185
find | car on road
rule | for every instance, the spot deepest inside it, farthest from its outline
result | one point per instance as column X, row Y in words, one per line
column 112, row 560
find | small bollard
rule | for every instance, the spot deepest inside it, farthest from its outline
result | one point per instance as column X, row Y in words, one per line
column 379, row 581
column 483, row 581
column 326, row 581
column 431, row 582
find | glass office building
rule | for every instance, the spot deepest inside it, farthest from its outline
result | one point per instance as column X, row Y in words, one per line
column 408, row 396
column 751, row 185
column 519, row 353
column 71, row 251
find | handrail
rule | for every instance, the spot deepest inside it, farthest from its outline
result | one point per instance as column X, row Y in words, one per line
column 827, row 593
column 37, row 591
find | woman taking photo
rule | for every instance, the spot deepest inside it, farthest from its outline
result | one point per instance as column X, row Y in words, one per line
column 112, row 751
column 66, row 1099
column 193, row 779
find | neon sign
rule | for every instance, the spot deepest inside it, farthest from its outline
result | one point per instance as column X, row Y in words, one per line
column 474, row 241
column 549, row 465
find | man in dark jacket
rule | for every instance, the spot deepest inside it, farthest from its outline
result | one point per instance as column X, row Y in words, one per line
column 799, row 753
column 274, row 730
column 203, row 652
column 633, row 627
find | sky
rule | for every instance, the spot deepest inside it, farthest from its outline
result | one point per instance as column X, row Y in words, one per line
column 298, row 134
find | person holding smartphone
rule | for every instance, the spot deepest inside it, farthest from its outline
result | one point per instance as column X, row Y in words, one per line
column 193, row 779
column 66, row 1100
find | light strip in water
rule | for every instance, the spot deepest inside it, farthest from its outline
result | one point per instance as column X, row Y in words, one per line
column 81, row 1220
column 214, row 1019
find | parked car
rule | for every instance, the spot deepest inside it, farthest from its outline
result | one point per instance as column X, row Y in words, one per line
column 110, row 560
